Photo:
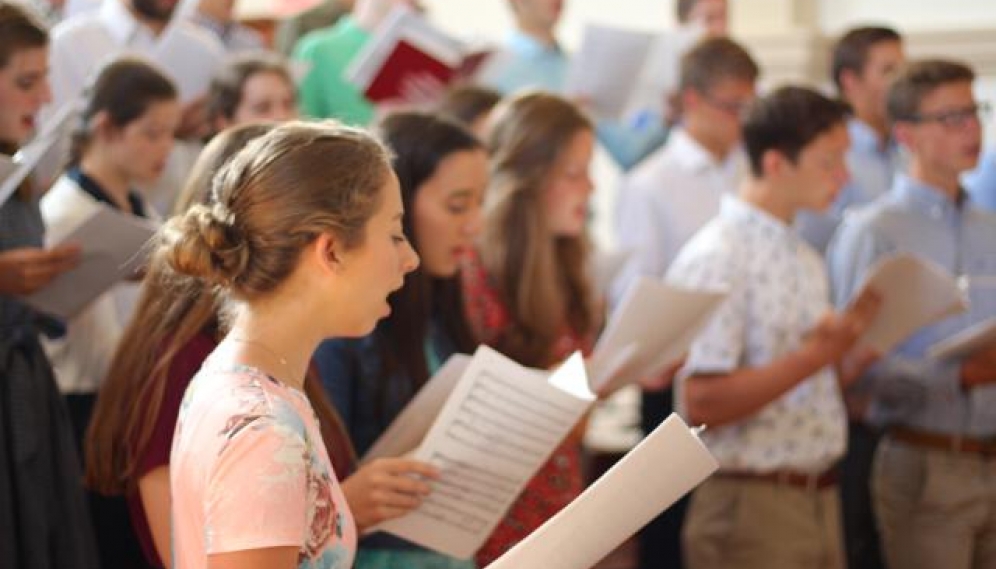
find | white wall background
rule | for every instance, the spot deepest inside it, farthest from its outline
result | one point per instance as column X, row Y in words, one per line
column 490, row 18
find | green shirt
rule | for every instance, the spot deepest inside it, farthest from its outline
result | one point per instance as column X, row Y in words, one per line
column 324, row 92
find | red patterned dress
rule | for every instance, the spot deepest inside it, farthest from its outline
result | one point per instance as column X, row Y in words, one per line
column 559, row 480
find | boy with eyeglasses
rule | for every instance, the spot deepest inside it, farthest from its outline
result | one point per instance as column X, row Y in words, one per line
column 668, row 197
column 934, row 477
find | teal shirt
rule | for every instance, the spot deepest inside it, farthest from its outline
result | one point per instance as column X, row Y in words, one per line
column 325, row 92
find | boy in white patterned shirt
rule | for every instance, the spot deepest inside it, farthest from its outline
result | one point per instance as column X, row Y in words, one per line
column 762, row 374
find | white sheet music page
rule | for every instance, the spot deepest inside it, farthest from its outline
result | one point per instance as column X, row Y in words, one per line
column 497, row 429
column 112, row 249
column 411, row 425
column 966, row 342
column 915, row 293
column 665, row 466
column 654, row 326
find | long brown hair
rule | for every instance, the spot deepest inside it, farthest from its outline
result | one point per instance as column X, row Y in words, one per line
column 171, row 311
column 542, row 279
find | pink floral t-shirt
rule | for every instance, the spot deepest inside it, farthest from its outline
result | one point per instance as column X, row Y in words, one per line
column 248, row 470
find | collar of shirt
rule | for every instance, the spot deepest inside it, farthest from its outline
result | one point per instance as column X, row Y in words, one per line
column 925, row 198
column 526, row 45
column 735, row 209
column 91, row 187
column 693, row 156
column 865, row 140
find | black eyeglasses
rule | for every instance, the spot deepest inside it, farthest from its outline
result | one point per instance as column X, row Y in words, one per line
column 956, row 118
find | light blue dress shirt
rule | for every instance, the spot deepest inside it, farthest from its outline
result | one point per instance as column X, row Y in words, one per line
column 908, row 388
column 981, row 182
column 872, row 167
column 527, row 63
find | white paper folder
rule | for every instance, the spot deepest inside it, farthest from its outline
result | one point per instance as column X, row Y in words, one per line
column 665, row 466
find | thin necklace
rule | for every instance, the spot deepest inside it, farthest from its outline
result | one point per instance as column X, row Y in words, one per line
column 281, row 359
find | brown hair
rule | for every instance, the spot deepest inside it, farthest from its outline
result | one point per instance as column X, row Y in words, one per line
column 715, row 59
column 225, row 92
column 171, row 311
column 920, row 79
column 787, row 120
column 272, row 199
column 850, row 52
column 683, row 10
column 125, row 89
column 222, row 147
column 20, row 29
column 466, row 103
column 541, row 279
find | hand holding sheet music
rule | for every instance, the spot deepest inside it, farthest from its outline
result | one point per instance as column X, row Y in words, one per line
column 496, row 430
column 619, row 503
column 915, row 293
column 111, row 243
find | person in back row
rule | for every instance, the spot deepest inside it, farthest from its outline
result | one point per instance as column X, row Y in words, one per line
column 671, row 195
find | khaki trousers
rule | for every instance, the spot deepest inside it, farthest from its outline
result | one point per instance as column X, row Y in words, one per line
column 749, row 524
column 935, row 508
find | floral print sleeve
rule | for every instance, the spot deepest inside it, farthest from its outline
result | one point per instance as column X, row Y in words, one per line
column 257, row 475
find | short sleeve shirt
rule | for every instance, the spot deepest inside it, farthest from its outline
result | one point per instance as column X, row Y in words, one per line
column 248, row 470
column 778, row 290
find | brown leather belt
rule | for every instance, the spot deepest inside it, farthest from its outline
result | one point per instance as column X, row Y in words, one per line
column 985, row 447
column 794, row 478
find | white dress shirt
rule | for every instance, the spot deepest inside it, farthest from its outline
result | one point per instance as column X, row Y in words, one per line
column 778, row 289
column 665, row 200
column 82, row 357
column 189, row 55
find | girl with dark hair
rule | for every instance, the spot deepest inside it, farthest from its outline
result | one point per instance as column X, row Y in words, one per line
column 442, row 169
column 251, row 87
column 124, row 137
column 526, row 285
column 43, row 519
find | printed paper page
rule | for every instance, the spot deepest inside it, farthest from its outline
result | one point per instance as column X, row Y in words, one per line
column 411, row 425
column 501, row 424
column 112, row 249
column 606, row 266
column 656, row 322
column 665, row 466
column 606, row 68
column 45, row 155
column 915, row 293
column 966, row 342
